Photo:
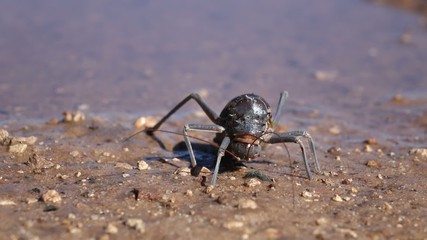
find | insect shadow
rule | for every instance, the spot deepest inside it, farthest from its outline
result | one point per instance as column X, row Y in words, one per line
column 205, row 154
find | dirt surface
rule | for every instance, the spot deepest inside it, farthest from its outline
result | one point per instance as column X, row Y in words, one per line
column 356, row 76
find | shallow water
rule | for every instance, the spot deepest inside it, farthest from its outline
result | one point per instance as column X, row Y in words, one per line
column 354, row 66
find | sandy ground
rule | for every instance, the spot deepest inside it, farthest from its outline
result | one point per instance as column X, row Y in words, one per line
column 359, row 87
column 369, row 188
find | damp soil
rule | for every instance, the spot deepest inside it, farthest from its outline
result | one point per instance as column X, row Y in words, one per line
column 356, row 77
column 369, row 187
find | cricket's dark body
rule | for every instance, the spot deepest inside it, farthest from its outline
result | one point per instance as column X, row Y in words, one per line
column 245, row 119
column 244, row 123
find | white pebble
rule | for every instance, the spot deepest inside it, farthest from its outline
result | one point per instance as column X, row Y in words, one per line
column 4, row 136
column 189, row 193
column 126, row 166
column 233, row 224
column 144, row 122
column 337, row 198
column 18, row 148
column 325, row 75
column 7, row 202
column 419, row 152
column 253, row 182
column 335, row 130
column 142, row 165
column 321, row 221
column 247, row 204
column 136, row 223
column 74, row 153
column 111, row 229
column 51, row 196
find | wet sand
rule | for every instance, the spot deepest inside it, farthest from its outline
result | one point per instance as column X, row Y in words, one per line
column 355, row 72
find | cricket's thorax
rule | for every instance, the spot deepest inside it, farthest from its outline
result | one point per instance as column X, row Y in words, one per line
column 246, row 118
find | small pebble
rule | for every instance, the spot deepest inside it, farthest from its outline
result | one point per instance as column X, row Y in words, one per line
column 306, row 194
column 367, row 148
column 189, row 193
column 4, row 137
column 247, row 204
column 142, row 165
column 38, row 162
column 126, row 166
column 7, row 202
column 335, row 151
column 51, row 196
column 347, row 181
column 63, row 177
column 346, row 198
column 325, row 75
column 348, row 233
column 31, row 200
column 272, row 233
column 184, row 171
column 253, row 182
column 78, row 174
column 321, row 221
column 53, row 121
column 18, row 148
column 209, row 188
column 137, row 224
column 371, row 141
column 233, row 224
column 422, row 152
column 74, row 230
column 111, row 229
column 398, row 98
column 387, row 206
column 144, row 122
column 73, row 117
column 373, row 164
column 337, row 198
column 26, row 140
column 310, row 196
column 335, row 130
column 74, row 153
